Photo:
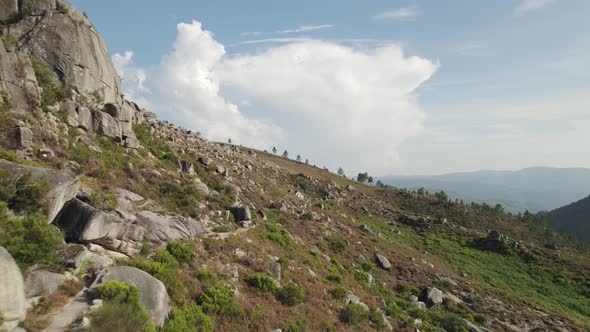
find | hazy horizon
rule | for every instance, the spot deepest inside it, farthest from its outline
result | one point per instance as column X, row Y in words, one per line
column 405, row 88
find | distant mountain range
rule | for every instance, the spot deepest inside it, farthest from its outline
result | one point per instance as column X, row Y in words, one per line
column 573, row 218
column 535, row 189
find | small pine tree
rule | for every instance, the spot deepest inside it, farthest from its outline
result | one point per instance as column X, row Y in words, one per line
column 229, row 141
column 340, row 171
column 298, row 158
column 274, row 149
column 307, row 161
column 362, row 177
column 370, row 179
column 286, row 154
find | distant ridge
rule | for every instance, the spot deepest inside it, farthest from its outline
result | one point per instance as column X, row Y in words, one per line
column 573, row 219
column 535, row 189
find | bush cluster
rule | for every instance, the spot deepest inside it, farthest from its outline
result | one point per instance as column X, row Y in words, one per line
column 263, row 283
column 183, row 252
column 354, row 314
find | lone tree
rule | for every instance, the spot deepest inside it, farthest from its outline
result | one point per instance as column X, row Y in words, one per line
column 340, row 171
column 229, row 141
column 286, row 154
column 274, row 149
column 306, row 161
column 362, row 177
column 298, row 158
column 370, row 179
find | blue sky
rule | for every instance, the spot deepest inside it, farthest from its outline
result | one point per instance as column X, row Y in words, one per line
column 505, row 84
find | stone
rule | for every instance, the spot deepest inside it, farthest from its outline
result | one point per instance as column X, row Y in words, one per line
column 42, row 282
column 421, row 305
column 205, row 161
column 299, row 195
column 88, row 259
column 202, row 187
column 153, row 292
column 431, row 296
column 162, row 228
column 231, row 270
column 39, row 7
column 112, row 110
column 241, row 213
column 83, row 223
column 13, row 304
column 8, row 9
column 85, row 119
column 62, row 185
column 22, row 138
column 69, row 107
column 274, row 270
column 351, row 299
column 382, row 261
column 186, row 167
column 131, row 142
column 106, row 125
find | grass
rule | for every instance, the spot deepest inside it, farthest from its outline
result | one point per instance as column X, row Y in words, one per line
column 529, row 282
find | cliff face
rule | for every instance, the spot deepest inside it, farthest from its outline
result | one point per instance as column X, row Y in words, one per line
column 59, row 35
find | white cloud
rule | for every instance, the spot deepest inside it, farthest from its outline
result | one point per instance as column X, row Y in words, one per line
column 527, row 6
column 306, row 28
column 333, row 104
column 406, row 13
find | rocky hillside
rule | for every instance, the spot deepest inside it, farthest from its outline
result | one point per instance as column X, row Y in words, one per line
column 114, row 220
column 572, row 219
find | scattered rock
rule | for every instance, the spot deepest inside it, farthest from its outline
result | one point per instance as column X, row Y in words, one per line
column 274, row 270
column 382, row 261
column 431, row 296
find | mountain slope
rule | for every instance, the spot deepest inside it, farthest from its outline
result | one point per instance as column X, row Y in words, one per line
column 533, row 189
column 177, row 233
column 572, row 219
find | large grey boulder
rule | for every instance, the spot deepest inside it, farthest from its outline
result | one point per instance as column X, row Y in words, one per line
column 153, row 292
column 106, row 125
column 42, row 282
column 62, row 185
column 22, row 138
column 8, row 9
column 83, row 223
column 12, row 292
column 161, row 228
column 85, row 119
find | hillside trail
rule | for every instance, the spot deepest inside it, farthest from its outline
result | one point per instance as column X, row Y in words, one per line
column 62, row 319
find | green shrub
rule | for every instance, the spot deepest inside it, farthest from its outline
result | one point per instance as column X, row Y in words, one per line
column 29, row 239
column 183, row 252
column 339, row 293
column 118, row 291
column 204, row 275
column 354, row 314
column 189, row 317
column 334, row 275
column 21, row 192
column 295, row 325
column 263, row 283
column 220, row 300
column 451, row 322
column 376, row 317
column 156, row 269
column 338, row 245
column 290, row 295
column 115, row 316
column 277, row 235
column 164, row 257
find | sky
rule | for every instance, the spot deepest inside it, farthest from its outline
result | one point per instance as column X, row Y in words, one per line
column 388, row 87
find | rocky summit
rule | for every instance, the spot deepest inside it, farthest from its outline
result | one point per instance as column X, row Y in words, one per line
column 112, row 219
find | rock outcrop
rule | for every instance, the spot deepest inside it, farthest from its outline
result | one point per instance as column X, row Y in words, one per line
column 63, row 186
column 58, row 34
column 41, row 282
column 12, row 292
column 153, row 293
column 84, row 223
